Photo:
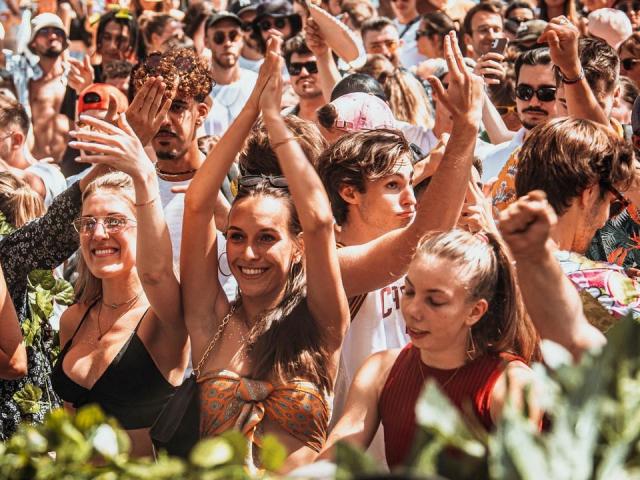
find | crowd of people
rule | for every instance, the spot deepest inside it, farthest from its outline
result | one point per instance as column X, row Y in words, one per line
column 220, row 191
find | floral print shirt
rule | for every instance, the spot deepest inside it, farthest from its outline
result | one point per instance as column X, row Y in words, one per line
column 44, row 244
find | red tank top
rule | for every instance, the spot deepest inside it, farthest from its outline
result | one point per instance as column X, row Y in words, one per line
column 473, row 382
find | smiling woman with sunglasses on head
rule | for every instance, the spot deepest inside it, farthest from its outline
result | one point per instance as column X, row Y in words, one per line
column 278, row 357
column 124, row 345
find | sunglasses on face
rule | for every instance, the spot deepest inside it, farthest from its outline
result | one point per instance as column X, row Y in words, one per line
column 220, row 37
column 267, row 24
column 629, row 63
column 246, row 27
column 46, row 31
column 392, row 46
column 111, row 223
column 249, row 181
column 295, row 68
column 504, row 109
column 545, row 94
column 620, row 203
column 628, row 7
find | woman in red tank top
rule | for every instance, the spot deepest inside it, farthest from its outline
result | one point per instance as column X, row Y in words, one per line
column 468, row 333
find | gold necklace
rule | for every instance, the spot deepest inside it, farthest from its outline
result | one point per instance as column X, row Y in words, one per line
column 100, row 334
column 118, row 305
column 448, row 379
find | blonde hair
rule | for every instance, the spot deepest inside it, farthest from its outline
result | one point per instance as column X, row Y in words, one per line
column 18, row 201
column 88, row 287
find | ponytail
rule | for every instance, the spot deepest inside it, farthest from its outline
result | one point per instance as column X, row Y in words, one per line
column 18, row 201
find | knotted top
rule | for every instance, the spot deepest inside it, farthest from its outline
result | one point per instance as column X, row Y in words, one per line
column 229, row 401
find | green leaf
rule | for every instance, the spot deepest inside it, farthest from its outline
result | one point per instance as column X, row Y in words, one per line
column 211, row 452
column 42, row 278
column 63, row 292
column 44, row 301
column 28, row 399
column 88, row 417
column 272, row 453
column 352, row 462
column 5, row 227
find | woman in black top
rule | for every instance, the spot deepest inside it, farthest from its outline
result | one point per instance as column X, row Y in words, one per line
column 124, row 342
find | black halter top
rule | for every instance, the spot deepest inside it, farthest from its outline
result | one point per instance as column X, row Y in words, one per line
column 131, row 389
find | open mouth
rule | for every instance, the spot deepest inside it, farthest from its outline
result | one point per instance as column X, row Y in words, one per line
column 104, row 251
column 252, row 272
column 417, row 334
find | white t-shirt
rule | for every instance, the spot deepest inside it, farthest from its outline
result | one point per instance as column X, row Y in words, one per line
column 228, row 101
column 52, row 178
column 377, row 326
column 408, row 53
column 253, row 65
column 493, row 162
column 173, row 206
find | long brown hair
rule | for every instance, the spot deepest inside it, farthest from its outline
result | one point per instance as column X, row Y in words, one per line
column 88, row 287
column 286, row 341
column 483, row 265
column 18, row 201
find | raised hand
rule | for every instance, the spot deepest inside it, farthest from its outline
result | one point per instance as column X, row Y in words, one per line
column 149, row 107
column 270, row 67
column 115, row 146
column 477, row 212
column 526, row 226
column 490, row 67
column 465, row 96
column 81, row 73
column 314, row 39
column 562, row 37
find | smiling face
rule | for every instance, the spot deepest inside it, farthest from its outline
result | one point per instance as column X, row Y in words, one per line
column 108, row 255
column 260, row 245
column 436, row 305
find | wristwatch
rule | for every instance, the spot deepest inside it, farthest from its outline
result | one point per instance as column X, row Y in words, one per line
column 571, row 81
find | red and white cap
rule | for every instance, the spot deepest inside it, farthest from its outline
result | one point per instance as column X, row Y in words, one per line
column 361, row 111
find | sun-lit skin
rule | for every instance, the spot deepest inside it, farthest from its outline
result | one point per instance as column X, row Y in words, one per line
column 49, row 44
column 386, row 204
column 260, row 247
column 114, row 44
column 225, row 55
column 533, row 112
column 108, row 255
column 485, row 28
column 385, row 42
column 438, row 310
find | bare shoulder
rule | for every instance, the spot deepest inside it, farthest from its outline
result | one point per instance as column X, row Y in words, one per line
column 70, row 320
column 375, row 369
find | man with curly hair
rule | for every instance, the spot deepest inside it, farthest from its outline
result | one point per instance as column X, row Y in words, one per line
column 166, row 114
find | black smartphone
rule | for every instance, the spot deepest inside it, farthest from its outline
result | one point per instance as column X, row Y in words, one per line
column 499, row 45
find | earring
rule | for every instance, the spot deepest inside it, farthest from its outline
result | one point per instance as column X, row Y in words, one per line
column 471, row 349
column 220, row 265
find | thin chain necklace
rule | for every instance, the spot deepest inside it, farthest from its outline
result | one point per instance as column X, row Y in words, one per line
column 118, row 305
column 100, row 333
column 448, row 379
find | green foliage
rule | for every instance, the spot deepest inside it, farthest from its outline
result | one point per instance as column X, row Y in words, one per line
column 90, row 445
column 593, row 411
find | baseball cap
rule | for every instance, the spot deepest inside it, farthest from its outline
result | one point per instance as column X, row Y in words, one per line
column 45, row 20
column 96, row 97
column 529, row 31
column 222, row 15
column 361, row 111
column 238, row 7
column 611, row 25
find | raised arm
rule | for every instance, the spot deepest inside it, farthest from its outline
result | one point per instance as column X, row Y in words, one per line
column 381, row 261
column 199, row 254
column 119, row 148
column 563, row 38
column 551, row 300
column 325, row 294
column 328, row 72
column 13, row 355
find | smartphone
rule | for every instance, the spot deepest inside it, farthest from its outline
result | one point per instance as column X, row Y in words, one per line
column 499, row 45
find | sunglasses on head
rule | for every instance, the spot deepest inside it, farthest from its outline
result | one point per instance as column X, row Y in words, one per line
column 619, row 204
column 628, row 63
column 249, row 181
column 220, row 37
column 545, row 94
column 295, row 68
column 182, row 64
column 628, row 7
column 267, row 24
